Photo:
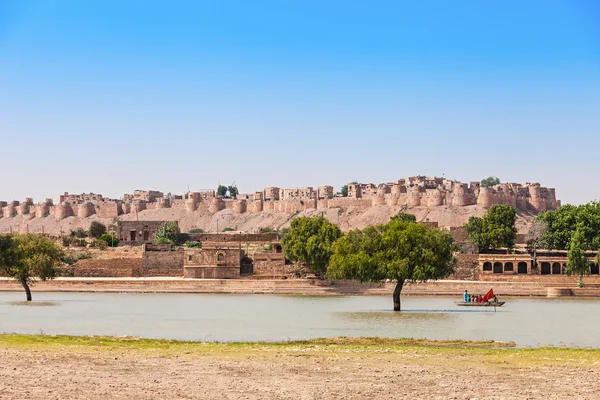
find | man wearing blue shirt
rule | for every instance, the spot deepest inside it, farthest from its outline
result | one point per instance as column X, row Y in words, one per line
column 466, row 296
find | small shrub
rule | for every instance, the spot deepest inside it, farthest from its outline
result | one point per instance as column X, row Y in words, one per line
column 162, row 240
column 97, row 229
column 228, row 230
column 268, row 230
column 66, row 241
column 110, row 240
column 196, row 230
column 193, row 244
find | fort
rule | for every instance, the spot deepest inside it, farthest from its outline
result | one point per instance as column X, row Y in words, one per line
column 415, row 191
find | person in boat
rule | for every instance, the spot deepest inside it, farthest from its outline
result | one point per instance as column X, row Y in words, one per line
column 466, row 297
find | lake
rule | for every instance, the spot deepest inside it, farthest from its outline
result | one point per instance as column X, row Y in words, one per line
column 530, row 322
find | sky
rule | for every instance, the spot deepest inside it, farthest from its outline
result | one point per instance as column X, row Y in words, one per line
column 112, row 96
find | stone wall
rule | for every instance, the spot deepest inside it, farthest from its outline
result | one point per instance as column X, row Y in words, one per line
column 161, row 260
column 211, row 272
column 270, row 264
column 110, row 268
column 467, row 267
column 235, row 237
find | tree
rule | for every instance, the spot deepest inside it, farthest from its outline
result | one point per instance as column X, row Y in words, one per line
column 97, row 229
column 398, row 251
column 563, row 222
column 534, row 237
column 233, row 191
column 309, row 240
column 29, row 257
column 496, row 228
column 577, row 264
column 344, row 191
column 222, row 191
column 402, row 216
column 167, row 233
column 109, row 239
column 490, row 181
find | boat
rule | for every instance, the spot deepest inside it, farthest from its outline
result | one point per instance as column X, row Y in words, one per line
column 484, row 304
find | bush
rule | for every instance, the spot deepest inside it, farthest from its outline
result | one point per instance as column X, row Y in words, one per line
column 268, row 230
column 167, row 233
column 228, row 230
column 79, row 233
column 193, row 244
column 97, row 229
column 110, row 240
column 66, row 241
column 196, row 230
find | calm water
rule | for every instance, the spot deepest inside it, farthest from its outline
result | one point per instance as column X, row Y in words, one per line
column 529, row 322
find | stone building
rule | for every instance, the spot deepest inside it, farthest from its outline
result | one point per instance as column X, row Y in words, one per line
column 325, row 192
column 137, row 232
column 149, row 196
column 549, row 262
column 213, row 261
column 271, row 193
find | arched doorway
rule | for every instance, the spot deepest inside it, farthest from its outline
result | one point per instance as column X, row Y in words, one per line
column 545, row 268
column 487, row 266
column 497, row 267
column 509, row 267
column 522, row 267
column 556, row 270
column 594, row 269
column 278, row 248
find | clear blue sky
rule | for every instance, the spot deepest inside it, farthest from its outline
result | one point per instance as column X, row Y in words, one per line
column 110, row 96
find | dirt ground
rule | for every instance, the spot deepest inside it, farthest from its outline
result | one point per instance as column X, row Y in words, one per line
column 66, row 369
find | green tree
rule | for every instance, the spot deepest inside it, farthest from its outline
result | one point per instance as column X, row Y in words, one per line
column 167, row 233
column 309, row 240
column 222, row 191
column 29, row 257
column 97, row 229
column 490, row 181
column 563, row 222
column 109, row 239
column 577, row 264
column 344, row 191
column 402, row 216
column 233, row 191
column 398, row 251
column 496, row 228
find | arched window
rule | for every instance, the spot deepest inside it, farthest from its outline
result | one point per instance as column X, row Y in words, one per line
column 522, row 267
column 220, row 257
column 487, row 266
column 497, row 267
column 545, row 268
column 556, row 269
column 509, row 267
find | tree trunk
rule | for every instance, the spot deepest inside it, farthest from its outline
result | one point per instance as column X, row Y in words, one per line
column 580, row 283
column 26, row 287
column 396, row 296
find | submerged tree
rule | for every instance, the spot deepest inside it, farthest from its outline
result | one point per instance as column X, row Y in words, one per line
column 29, row 257
column 577, row 264
column 398, row 251
column 309, row 240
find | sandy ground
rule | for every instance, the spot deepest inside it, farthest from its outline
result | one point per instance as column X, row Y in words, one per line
column 445, row 216
column 216, row 371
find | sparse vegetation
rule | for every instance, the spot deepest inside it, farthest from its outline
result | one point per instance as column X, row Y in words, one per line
column 193, row 244
column 96, row 229
column 196, row 230
column 228, row 229
column 109, row 240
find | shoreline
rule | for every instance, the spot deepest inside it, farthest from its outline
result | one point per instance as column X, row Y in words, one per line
column 58, row 367
column 306, row 287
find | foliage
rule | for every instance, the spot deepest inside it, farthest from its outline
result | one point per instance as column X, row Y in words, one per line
column 97, row 229
column 228, row 229
column 78, row 233
column 344, row 191
column 233, row 191
column 167, row 233
column 490, row 181
column 399, row 251
column 496, row 228
column 268, row 230
column 222, row 190
column 402, row 216
column 193, row 244
column 563, row 222
column 577, row 264
column 196, row 230
column 29, row 257
column 309, row 240
column 110, row 240
column 72, row 257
